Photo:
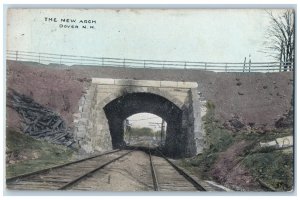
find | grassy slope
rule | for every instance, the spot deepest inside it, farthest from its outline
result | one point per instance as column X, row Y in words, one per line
column 273, row 167
column 38, row 154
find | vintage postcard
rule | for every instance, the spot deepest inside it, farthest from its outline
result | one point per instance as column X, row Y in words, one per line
column 136, row 100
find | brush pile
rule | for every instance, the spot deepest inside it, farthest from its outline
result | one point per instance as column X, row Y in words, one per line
column 40, row 122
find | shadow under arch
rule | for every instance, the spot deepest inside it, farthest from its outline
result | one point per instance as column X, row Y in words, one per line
column 118, row 109
column 133, row 89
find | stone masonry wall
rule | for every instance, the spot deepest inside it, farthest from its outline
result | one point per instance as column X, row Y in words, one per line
column 85, row 122
column 199, row 110
column 91, row 125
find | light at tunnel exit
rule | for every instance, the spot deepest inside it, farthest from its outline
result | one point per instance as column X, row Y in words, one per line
column 144, row 129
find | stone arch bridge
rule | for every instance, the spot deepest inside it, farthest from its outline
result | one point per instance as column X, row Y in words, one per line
column 108, row 102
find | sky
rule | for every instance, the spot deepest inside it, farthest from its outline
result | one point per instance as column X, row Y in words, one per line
column 208, row 35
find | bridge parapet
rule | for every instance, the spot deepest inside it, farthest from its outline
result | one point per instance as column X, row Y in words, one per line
column 144, row 83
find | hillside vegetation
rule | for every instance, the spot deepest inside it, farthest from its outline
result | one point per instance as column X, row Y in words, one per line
column 25, row 154
column 144, row 131
column 236, row 160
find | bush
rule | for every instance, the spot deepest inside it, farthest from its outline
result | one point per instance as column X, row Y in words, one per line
column 145, row 131
column 217, row 138
column 210, row 105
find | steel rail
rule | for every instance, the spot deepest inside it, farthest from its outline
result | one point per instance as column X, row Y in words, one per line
column 58, row 166
column 154, row 176
column 69, row 184
column 185, row 175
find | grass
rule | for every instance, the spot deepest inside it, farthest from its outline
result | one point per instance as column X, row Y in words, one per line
column 218, row 139
column 274, row 167
column 39, row 154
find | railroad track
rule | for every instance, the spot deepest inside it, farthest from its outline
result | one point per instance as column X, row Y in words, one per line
column 169, row 177
column 64, row 176
column 156, row 173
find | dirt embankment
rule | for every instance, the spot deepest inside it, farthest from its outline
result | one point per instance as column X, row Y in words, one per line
column 229, row 171
column 257, row 99
column 56, row 89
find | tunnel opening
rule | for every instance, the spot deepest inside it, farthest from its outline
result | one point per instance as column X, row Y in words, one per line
column 145, row 130
column 119, row 109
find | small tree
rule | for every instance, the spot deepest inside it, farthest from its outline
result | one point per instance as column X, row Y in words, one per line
column 280, row 38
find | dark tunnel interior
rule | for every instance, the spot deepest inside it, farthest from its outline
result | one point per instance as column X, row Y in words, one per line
column 122, row 107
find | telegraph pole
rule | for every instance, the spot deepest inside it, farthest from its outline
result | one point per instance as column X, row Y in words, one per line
column 249, row 62
column 162, row 130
